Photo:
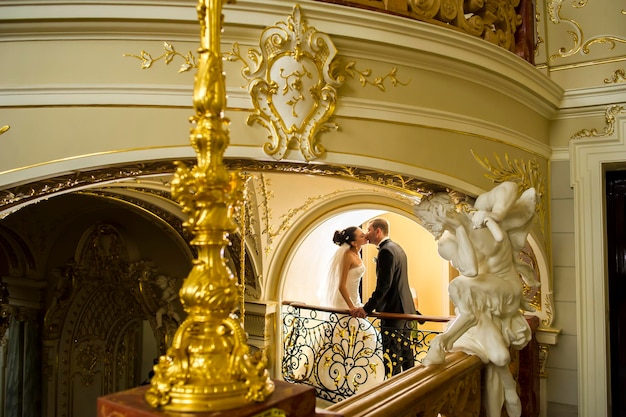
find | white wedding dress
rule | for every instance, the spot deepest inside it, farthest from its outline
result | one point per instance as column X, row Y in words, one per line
column 335, row 299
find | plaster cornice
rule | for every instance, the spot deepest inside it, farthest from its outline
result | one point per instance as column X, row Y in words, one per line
column 390, row 38
column 170, row 96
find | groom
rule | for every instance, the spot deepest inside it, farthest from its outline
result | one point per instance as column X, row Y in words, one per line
column 392, row 295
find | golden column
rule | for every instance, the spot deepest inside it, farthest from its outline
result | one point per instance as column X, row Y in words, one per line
column 208, row 366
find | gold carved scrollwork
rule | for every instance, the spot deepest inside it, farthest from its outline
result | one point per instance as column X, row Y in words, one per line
column 579, row 44
column 293, row 79
column 609, row 129
column 496, row 21
column 548, row 310
column 341, row 70
column 554, row 11
column 619, row 76
column 292, row 87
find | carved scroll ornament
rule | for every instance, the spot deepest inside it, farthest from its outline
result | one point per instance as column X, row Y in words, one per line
column 292, row 87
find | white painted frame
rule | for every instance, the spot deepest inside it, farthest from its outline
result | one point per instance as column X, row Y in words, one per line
column 590, row 158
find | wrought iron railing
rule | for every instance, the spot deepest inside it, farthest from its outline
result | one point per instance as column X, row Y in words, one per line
column 340, row 355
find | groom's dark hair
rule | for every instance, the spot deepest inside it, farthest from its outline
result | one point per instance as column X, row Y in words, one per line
column 380, row 223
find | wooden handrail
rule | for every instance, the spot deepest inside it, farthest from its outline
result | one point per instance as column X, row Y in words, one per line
column 396, row 316
column 452, row 389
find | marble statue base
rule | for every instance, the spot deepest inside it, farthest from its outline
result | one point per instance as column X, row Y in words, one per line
column 287, row 399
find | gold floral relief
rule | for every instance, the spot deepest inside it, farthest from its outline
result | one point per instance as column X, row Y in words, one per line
column 146, row 58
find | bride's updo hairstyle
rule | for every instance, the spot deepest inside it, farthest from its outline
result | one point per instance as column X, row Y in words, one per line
column 346, row 235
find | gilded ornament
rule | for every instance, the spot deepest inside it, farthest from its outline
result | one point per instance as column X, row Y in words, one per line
column 189, row 59
column 291, row 85
column 11, row 198
column 619, row 76
column 609, row 129
column 293, row 79
column 4, row 129
column 341, row 70
column 208, row 366
column 554, row 10
column 475, row 17
column 548, row 309
column 610, row 40
column 525, row 174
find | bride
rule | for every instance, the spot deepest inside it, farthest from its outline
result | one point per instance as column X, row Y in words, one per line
column 351, row 357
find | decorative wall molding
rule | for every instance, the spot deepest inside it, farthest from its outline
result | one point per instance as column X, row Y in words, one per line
column 590, row 157
column 609, row 129
column 588, row 100
column 239, row 100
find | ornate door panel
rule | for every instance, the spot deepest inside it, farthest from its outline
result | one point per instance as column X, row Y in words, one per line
column 93, row 329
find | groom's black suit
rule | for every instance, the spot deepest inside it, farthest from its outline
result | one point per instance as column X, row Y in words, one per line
column 393, row 295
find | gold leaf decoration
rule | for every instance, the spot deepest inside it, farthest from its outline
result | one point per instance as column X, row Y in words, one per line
column 619, row 76
column 189, row 59
column 525, row 174
column 609, row 117
column 293, row 78
column 610, row 40
column 4, row 129
column 341, row 71
column 554, row 10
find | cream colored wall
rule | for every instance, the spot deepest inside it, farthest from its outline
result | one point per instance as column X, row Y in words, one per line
column 573, row 56
column 561, row 366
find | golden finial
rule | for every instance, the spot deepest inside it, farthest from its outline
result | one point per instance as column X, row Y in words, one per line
column 208, row 366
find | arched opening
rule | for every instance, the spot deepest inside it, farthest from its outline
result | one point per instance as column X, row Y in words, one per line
column 286, row 263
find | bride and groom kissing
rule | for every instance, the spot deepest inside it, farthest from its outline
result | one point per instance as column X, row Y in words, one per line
column 391, row 295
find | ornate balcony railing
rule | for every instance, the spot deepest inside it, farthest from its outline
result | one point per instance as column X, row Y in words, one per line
column 340, row 355
column 509, row 24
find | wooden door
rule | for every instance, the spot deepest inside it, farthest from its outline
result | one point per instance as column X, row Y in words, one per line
column 616, row 252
